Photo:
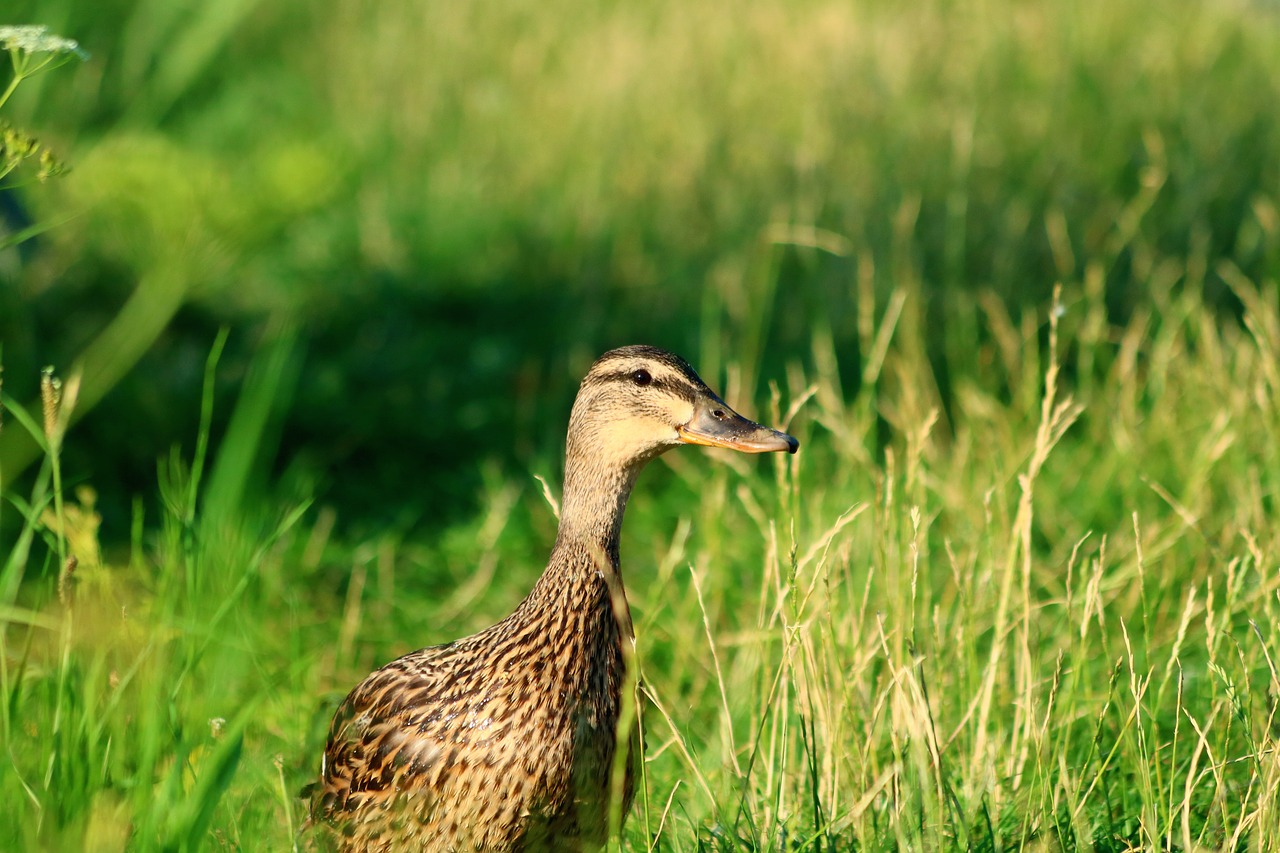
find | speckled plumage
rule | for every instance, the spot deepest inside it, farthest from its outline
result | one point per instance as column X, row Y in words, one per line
column 505, row 740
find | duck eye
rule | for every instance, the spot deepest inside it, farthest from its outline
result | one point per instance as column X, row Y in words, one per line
column 641, row 378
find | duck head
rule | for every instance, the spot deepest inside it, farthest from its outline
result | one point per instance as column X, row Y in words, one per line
column 637, row 402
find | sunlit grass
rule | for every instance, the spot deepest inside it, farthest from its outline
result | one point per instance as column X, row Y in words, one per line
column 1051, row 622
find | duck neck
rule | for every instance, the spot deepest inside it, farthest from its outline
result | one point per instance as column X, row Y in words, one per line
column 594, row 501
column 583, row 574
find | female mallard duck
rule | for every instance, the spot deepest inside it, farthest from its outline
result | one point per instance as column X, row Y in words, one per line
column 505, row 740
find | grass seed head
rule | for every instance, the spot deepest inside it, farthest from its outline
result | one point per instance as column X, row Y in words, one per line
column 50, row 400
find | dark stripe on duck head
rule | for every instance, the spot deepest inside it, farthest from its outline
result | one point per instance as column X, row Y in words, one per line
column 682, row 388
column 686, row 384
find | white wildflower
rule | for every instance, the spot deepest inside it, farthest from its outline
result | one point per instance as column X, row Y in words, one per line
column 36, row 38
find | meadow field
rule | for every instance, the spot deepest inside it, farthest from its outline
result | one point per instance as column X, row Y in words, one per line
column 289, row 349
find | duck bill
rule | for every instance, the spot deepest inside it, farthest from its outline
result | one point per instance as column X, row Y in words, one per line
column 716, row 425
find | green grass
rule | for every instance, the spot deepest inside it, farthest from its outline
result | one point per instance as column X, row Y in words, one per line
column 1050, row 622
column 1019, row 588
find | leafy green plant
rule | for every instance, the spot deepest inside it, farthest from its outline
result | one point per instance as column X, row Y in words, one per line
column 32, row 50
column 100, row 678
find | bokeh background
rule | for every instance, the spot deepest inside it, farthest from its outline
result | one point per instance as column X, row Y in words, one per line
column 438, row 214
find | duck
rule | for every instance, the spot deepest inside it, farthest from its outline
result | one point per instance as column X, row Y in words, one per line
column 506, row 740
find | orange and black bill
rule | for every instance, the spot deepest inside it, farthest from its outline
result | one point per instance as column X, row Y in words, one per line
column 716, row 425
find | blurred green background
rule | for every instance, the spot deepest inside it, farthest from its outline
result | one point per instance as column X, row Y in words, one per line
column 447, row 209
